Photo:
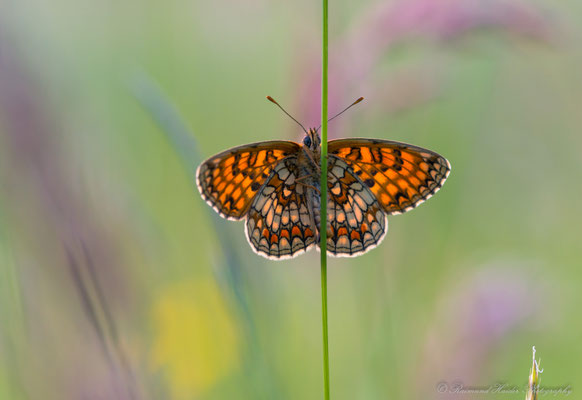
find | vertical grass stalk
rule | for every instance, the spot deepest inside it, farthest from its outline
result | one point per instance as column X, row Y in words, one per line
column 323, row 210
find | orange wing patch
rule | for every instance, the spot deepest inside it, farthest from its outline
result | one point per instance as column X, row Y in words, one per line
column 280, row 219
column 356, row 222
column 229, row 181
column 401, row 176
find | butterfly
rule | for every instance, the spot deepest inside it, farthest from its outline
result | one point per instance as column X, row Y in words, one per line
column 275, row 187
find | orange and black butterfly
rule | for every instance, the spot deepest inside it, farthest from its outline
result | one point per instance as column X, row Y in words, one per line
column 275, row 187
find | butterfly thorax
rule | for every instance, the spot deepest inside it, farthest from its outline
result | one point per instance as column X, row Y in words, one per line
column 309, row 172
column 309, row 160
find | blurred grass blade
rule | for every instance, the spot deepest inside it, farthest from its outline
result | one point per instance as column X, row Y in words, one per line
column 13, row 332
column 159, row 107
column 92, row 308
column 108, row 321
column 153, row 100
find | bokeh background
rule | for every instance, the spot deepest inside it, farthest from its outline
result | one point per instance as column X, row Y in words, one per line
column 118, row 282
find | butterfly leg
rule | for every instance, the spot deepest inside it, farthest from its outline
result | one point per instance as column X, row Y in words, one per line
column 301, row 178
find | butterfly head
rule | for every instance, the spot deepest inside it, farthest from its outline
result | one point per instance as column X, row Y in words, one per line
column 312, row 139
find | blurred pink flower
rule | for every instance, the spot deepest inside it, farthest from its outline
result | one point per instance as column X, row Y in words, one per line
column 354, row 58
column 473, row 321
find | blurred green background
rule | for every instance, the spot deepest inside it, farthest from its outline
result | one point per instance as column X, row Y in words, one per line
column 118, row 282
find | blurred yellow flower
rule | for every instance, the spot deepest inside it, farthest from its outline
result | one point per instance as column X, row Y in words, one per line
column 195, row 341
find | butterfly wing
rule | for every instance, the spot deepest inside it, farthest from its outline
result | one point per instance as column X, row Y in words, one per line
column 356, row 221
column 400, row 176
column 229, row 181
column 280, row 222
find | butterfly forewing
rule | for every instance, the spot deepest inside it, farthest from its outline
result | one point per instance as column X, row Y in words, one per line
column 400, row 176
column 229, row 181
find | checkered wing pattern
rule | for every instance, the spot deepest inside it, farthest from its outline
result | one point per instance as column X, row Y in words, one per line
column 280, row 219
column 229, row 181
column 356, row 222
column 400, row 176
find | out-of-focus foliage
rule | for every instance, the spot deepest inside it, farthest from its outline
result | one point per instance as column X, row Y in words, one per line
column 118, row 281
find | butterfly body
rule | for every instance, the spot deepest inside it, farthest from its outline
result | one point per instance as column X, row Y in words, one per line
column 275, row 187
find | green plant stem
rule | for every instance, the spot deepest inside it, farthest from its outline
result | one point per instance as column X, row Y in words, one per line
column 323, row 210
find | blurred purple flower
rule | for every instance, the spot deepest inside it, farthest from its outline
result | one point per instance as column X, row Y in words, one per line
column 474, row 319
column 354, row 58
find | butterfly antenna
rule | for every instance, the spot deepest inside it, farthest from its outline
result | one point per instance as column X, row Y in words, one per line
column 272, row 100
column 344, row 110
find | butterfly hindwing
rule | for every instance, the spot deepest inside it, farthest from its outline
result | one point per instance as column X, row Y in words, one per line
column 356, row 222
column 400, row 176
column 229, row 181
column 280, row 220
